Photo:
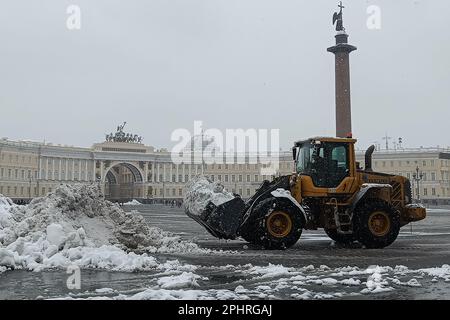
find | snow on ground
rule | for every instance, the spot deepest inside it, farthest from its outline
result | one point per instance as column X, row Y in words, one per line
column 277, row 281
column 75, row 225
column 200, row 190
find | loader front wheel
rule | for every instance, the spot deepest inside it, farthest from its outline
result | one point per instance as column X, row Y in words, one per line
column 279, row 224
column 377, row 223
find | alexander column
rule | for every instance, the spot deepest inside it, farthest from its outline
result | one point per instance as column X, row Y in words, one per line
column 342, row 52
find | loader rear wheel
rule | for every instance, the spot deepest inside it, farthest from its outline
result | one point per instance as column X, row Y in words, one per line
column 340, row 238
column 278, row 226
column 377, row 223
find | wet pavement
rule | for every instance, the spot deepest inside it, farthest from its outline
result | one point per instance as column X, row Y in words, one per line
column 426, row 244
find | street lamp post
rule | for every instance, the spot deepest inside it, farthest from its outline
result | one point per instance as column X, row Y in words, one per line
column 29, row 188
column 164, row 189
column 418, row 176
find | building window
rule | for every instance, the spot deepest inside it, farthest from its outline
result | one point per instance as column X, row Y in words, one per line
column 186, row 178
column 180, row 178
column 226, row 178
column 433, row 191
column 424, row 163
column 256, row 178
column 233, row 178
column 248, row 178
column 433, row 176
column 240, row 178
column 248, row 192
column 425, row 191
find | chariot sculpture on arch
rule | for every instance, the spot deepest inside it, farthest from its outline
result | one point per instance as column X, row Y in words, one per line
column 121, row 136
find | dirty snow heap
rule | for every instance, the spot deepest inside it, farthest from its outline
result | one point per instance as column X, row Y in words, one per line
column 76, row 225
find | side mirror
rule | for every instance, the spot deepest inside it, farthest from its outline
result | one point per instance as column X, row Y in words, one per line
column 294, row 153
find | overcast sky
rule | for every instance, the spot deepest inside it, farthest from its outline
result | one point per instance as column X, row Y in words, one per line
column 161, row 64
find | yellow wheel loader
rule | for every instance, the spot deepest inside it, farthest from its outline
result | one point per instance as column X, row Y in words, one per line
column 327, row 190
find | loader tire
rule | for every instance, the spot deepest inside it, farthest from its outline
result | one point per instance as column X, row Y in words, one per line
column 340, row 238
column 376, row 223
column 278, row 224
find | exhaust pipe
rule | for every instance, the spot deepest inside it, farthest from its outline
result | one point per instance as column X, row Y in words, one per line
column 368, row 158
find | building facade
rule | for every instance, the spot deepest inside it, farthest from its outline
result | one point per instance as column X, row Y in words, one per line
column 430, row 165
column 124, row 170
column 127, row 170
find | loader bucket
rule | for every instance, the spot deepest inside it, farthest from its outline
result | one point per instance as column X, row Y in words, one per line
column 222, row 221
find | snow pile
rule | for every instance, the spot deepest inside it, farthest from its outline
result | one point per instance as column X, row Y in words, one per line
column 375, row 282
column 6, row 220
column 133, row 202
column 271, row 271
column 442, row 272
column 186, row 279
column 76, row 225
column 200, row 190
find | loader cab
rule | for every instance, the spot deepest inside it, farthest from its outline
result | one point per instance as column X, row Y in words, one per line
column 328, row 161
